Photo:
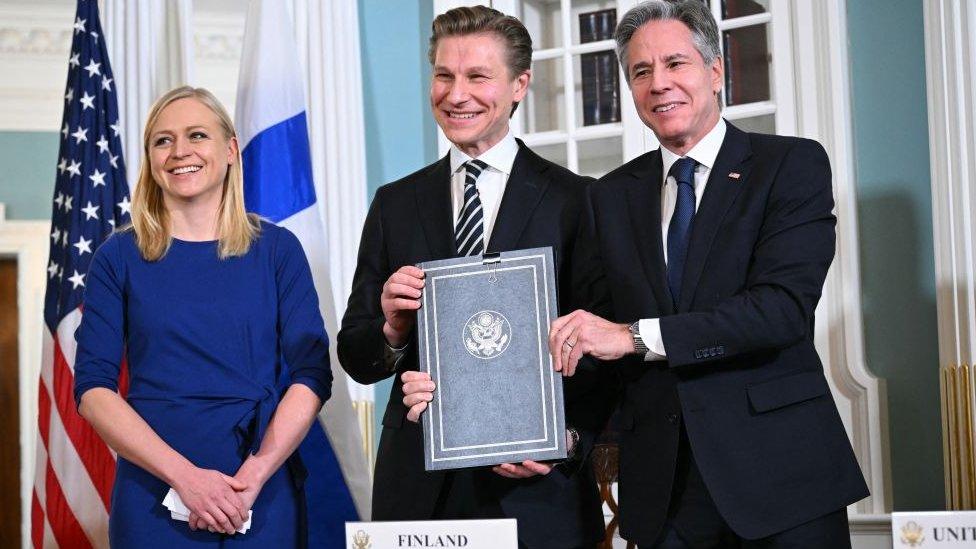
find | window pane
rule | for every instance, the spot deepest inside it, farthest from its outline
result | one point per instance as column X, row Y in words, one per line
column 543, row 20
column 599, row 156
column 597, row 88
column 593, row 21
column 741, row 8
column 543, row 108
column 747, row 62
column 553, row 153
column 759, row 124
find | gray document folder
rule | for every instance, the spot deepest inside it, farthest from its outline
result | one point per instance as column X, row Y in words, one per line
column 483, row 329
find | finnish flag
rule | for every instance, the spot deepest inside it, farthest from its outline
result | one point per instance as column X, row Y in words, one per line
column 272, row 126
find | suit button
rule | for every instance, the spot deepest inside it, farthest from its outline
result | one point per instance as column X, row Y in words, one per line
column 673, row 419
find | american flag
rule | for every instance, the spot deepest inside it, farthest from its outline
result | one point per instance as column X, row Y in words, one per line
column 74, row 467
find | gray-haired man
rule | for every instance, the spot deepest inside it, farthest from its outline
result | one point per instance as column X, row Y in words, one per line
column 705, row 261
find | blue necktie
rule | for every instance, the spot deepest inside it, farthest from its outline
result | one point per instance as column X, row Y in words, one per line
column 679, row 231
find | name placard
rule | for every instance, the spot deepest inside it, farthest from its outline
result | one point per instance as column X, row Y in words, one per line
column 421, row 534
column 943, row 529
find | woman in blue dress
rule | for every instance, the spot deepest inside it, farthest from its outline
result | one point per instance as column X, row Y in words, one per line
column 217, row 316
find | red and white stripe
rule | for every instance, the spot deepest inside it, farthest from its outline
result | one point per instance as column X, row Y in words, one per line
column 75, row 468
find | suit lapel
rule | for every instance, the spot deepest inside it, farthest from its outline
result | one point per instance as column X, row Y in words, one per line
column 435, row 210
column 644, row 205
column 720, row 193
column 525, row 187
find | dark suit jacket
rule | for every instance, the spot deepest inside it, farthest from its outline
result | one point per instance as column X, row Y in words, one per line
column 410, row 221
column 742, row 372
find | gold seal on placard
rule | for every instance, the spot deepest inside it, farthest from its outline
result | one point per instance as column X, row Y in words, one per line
column 360, row 540
column 912, row 534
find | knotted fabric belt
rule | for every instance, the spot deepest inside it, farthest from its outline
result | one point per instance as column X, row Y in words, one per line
column 250, row 431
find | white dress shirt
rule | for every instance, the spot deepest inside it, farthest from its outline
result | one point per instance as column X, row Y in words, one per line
column 491, row 183
column 704, row 153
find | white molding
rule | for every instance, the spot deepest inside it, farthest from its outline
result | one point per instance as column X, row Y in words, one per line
column 871, row 523
column 783, row 69
column 34, row 45
column 823, row 112
column 870, row 531
column 218, row 40
column 867, row 531
column 759, row 108
column 574, row 49
column 26, row 242
column 35, row 29
column 33, row 41
column 744, row 21
column 950, row 61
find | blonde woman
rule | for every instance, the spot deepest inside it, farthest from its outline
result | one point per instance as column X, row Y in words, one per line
column 208, row 304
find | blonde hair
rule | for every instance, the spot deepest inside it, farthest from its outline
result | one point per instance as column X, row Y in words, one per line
column 236, row 229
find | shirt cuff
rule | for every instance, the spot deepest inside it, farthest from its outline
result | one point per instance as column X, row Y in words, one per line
column 650, row 332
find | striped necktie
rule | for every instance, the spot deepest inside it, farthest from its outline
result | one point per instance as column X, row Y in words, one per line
column 469, row 231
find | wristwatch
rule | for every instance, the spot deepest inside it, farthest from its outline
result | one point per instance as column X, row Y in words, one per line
column 640, row 347
column 572, row 442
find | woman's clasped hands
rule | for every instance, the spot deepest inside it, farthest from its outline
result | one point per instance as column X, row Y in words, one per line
column 217, row 502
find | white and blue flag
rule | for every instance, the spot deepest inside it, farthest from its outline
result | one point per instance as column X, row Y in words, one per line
column 272, row 127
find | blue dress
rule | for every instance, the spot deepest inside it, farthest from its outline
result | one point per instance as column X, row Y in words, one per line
column 211, row 346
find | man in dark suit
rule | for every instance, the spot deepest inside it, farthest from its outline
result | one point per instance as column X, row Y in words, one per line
column 490, row 193
column 703, row 262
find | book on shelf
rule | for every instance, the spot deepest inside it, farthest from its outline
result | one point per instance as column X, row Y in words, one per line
column 598, row 70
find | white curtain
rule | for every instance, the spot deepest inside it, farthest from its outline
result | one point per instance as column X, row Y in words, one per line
column 328, row 45
column 151, row 50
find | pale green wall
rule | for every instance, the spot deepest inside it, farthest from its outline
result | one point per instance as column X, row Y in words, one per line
column 28, row 165
column 895, row 218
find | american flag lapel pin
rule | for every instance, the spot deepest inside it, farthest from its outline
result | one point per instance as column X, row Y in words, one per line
column 734, row 175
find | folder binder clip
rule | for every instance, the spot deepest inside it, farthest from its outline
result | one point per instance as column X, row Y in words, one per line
column 492, row 260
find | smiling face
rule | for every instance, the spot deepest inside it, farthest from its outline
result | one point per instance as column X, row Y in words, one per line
column 673, row 89
column 472, row 91
column 189, row 153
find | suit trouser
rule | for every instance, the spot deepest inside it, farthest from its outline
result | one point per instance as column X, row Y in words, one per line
column 466, row 495
column 694, row 521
